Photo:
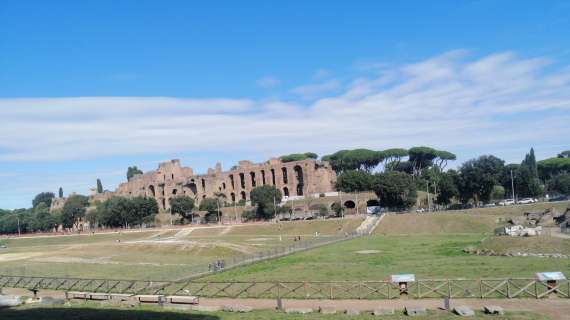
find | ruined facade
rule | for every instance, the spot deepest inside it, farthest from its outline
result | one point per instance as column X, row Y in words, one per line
column 294, row 179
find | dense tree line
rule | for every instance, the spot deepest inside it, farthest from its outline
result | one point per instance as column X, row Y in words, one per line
column 124, row 212
column 480, row 180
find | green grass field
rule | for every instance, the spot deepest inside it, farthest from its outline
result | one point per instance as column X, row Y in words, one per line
column 429, row 245
column 98, row 312
column 154, row 255
column 427, row 256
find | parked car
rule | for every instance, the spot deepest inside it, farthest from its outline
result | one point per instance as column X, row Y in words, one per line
column 560, row 198
column 507, row 202
column 527, row 201
column 489, row 205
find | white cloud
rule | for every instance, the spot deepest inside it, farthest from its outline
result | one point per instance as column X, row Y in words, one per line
column 488, row 104
column 268, row 82
column 314, row 90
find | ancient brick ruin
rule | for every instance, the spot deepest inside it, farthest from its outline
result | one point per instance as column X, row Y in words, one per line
column 294, row 179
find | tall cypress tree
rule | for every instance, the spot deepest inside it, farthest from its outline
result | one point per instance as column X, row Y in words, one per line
column 60, row 192
column 99, row 186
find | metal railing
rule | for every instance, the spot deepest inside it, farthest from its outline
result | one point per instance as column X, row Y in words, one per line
column 367, row 290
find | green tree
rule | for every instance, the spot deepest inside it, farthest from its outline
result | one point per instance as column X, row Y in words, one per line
column 132, row 171
column 298, row 156
column 337, row 208
column 447, row 187
column 265, row 199
column 393, row 157
column 498, row 192
column 74, row 210
column 421, row 157
column 479, row 176
column 395, row 190
column 526, row 184
column 144, row 210
column 354, row 181
column 60, row 192
column 442, row 158
column 548, row 168
column 561, row 184
column 182, row 205
column 564, row 154
column 99, row 186
column 44, row 197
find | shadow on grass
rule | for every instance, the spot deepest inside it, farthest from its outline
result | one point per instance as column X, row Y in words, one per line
column 81, row 313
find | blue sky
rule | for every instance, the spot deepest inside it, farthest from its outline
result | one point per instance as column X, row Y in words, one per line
column 88, row 88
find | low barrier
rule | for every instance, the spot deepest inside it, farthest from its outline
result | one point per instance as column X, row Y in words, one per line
column 370, row 290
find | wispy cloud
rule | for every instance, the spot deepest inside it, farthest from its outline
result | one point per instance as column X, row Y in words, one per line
column 454, row 101
column 314, row 90
column 268, row 82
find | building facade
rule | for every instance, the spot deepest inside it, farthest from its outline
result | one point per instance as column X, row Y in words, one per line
column 294, row 179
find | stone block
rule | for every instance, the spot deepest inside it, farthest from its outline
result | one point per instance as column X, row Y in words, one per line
column 237, row 308
column 327, row 310
column 352, row 312
column 149, row 298
column 383, row 312
column 464, row 311
column 77, row 295
column 299, row 310
column 206, row 308
column 98, row 296
column 494, row 310
column 9, row 301
column 182, row 299
column 52, row 301
column 415, row 311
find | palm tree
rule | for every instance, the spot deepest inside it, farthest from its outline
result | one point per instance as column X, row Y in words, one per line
column 220, row 196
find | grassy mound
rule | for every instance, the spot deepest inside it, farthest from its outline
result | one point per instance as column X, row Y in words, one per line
column 436, row 223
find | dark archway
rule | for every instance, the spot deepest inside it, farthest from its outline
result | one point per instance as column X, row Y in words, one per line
column 263, row 177
column 232, row 182
column 233, row 197
column 300, row 181
column 174, row 191
column 253, row 182
column 152, row 191
column 242, row 180
column 273, row 176
column 243, row 196
column 372, row 203
column 286, row 191
column 349, row 204
column 285, row 178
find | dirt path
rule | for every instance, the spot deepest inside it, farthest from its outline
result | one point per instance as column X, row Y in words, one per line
column 555, row 308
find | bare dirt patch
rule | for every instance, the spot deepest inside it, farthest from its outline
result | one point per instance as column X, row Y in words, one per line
column 367, row 251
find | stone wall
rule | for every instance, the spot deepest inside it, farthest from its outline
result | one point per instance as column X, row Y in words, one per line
column 294, row 179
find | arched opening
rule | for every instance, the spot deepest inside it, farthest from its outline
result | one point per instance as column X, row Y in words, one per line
column 253, row 182
column 204, row 197
column 152, row 191
column 212, row 217
column 224, row 185
column 372, row 203
column 263, row 177
column 192, row 187
column 243, row 196
column 299, row 177
column 232, row 181
column 173, row 176
column 285, row 178
column 285, row 191
column 242, row 180
column 233, row 196
column 163, row 203
column 204, row 185
column 273, row 176
column 174, row 191
column 349, row 204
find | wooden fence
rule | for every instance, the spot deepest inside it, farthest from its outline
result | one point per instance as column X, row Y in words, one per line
column 369, row 290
